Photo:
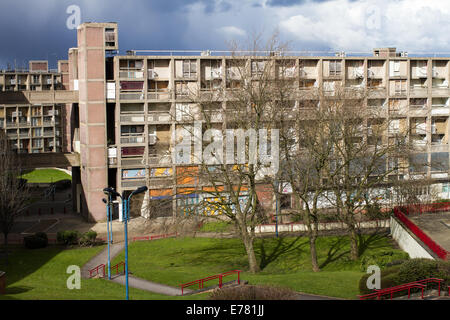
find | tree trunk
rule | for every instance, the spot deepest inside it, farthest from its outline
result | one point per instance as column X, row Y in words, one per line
column 312, row 248
column 6, row 248
column 253, row 265
column 354, row 252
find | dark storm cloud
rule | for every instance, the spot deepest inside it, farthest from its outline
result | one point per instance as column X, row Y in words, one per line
column 37, row 29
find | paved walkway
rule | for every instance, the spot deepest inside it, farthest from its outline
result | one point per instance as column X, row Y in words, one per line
column 102, row 257
column 149, row 286
column 133, row 282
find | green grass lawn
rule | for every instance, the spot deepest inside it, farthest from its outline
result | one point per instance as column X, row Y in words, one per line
column 40, row 274
column 45, row 176
column 284, row 262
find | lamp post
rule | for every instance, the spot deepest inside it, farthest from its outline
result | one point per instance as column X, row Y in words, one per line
column 107, row 233
column 126, row 209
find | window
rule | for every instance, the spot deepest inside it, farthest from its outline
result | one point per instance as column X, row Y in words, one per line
column 189, row 68
column 258, row 67
column 439, row 161
column 187, row 204
column 335, row 68
column 400, row 87
column 285, row 201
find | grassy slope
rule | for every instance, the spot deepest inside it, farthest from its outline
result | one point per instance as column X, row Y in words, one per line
column 41, row 274
column 285, row 262
column 46, row 176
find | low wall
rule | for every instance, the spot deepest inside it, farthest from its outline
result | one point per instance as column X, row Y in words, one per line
column 295, row 227
column 407, row 241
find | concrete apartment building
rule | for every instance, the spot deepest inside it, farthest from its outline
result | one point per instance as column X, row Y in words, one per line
column 119, row 112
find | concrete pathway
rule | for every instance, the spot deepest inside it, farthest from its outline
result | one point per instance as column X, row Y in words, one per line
column 133, row 282
column 149, row 286
column 102, row 257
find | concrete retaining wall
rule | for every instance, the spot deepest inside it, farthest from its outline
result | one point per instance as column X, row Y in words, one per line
column 295, row 227
column 407, row 241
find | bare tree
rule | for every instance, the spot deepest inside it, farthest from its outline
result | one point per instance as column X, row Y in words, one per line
column 365, row 152
column 305, row 153
column 236, row 115
column 13, row 190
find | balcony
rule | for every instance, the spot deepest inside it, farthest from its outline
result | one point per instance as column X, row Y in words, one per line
column 133, row 183
column 376, row 92
column 131, row 95
column 159, row 159
column 154, row 94
column 132, row 118
column 132, row 161
column 159, row 117
column 131, row 73
column 132, row 138
column 418, row 91
column 440, row 91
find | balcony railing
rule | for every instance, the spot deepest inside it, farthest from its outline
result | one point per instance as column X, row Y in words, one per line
column 436, row 90
column 132, row 118
column 159, row 159
column 418, row 91
column 132, row 95
column 132, row 138
column 131, row 73
column 159, row 117
column 133, row 183
column 132, row 161
column 158, row 94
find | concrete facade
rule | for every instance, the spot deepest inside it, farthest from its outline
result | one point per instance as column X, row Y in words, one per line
column 119, row 112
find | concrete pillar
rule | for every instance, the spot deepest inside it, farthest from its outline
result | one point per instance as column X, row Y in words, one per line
column 92, row 111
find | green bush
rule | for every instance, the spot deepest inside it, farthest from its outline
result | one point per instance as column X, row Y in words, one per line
column 410, row 271
column 68, row 237
column 36, row 241
column 42, row 235
column 88, row 238
column 383, row 259
column 418, row 269
column 389, row 278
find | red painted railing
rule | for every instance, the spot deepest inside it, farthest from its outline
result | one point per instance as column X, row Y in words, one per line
column 160, row 236
column 117, row 266
column 95, row 271
column 440, row 252
column 379, row 293
column 421, row 284
column 201, row 282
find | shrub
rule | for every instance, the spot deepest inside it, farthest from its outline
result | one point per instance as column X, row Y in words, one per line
column 327, row 217
column 88, row 238
column 246, row 292
column 42, row 235
column 67, row 237
column 418, row 269
column 36, row 241
column 389, row 278
column 444, row 271
column 383, row 259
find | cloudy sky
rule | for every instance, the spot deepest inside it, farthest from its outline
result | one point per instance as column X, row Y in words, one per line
column 37, row 29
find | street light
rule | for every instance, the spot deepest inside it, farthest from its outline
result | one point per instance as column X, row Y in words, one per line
column 126, row 209
column 107, row 236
